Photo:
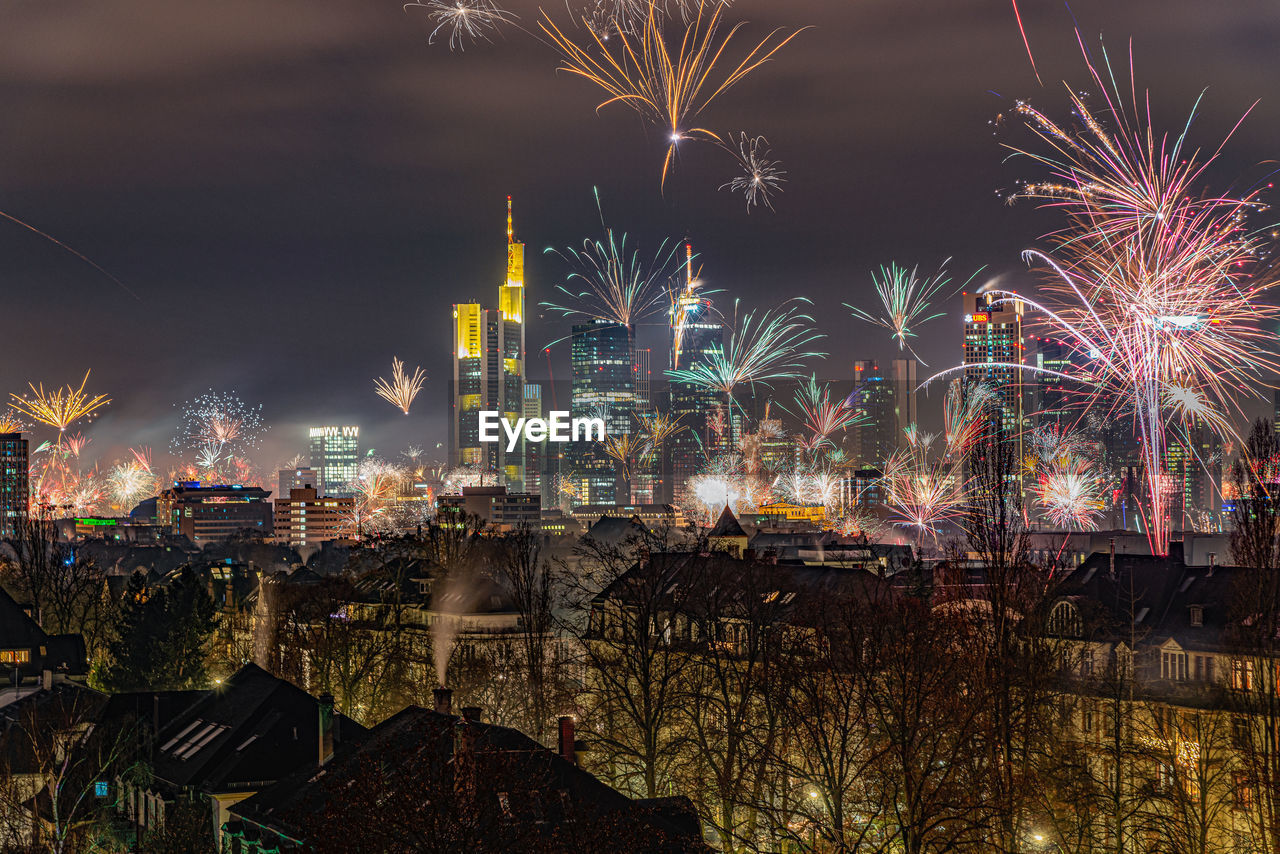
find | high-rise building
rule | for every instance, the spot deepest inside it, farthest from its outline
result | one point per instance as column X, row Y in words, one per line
column 904, row 396
column 489, row 370
column 1056, row 396
column 875, row 399
column 695, row 337
column 15, row 494
column 535, row 453
column 298, row 478
column 992, row 347
column 603, row 361
column 335, row 455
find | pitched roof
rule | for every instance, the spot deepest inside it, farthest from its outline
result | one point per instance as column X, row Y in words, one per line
column 252, row 730
column 727, row 526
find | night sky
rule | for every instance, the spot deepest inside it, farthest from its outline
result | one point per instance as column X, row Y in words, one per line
column 297, row 191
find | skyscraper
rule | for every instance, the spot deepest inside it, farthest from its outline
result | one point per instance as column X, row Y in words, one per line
column 694, row 338
column 875, row 398
column 15, row 496
column 335, row 454
column 603, row 361
column 299, row 478
column 904, row 396
column 992, row 344
column 489, row 370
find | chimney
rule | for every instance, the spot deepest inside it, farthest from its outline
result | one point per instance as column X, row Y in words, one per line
column 567, row 748
column 472, row 713
column 324, row 706
column 444, row 700
column 1213, row 556
column 1112, row 570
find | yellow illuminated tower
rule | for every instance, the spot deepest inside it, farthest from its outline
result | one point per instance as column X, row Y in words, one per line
column 488, row 371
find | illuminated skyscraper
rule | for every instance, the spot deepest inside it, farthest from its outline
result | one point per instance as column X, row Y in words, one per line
column 904, row 396
column 694, row 337
column 604, row 385
column 489, row 370
column 875, row 397
column 335, row 455
column 992, row 344
column 14, row 490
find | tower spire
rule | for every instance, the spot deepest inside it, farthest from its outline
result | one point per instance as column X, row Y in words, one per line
column 511, row 235
column 688, row 265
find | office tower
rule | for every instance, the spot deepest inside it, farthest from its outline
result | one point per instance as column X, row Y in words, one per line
column 992, row 343
column 1056, row 397
column 15, row 494
column 306, row 518
column 875, row 399
column 694, row 338
column 489, row 370
column 335, row 454
column 535, row 453
column 299, row 478
column 602, row 359
column 905, row 383
column 644, row 379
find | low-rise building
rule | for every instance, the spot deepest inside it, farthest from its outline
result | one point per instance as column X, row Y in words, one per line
column 206, row 514
column 305, row 518
column 497, row 507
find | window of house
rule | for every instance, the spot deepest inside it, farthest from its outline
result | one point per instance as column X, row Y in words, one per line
column 1064, row 621
column 1242, row 792
column 1242, row 675
column 1086, row 719
column 1173, row 665
column 1240, row 735
column 1086, row 663
column 1197, row 615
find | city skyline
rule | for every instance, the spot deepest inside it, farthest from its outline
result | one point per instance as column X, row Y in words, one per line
column 370, row 214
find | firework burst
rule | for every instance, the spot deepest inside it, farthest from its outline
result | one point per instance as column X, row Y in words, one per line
column 1152, row 282
column 1067, row 491
column 59, row 408
column 127, row 483
column 216, row 425
column 823, row 416
column 464, row 20
column 765, row 347
column 667, row 87
column 906, row 299
column 402, row 388
column 612, row 283
column 760, row 176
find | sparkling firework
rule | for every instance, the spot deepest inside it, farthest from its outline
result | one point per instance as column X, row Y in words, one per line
column 59, row 408
column 686, row 306
column 1067, row 491
column 761, row 175
column 128, row 483
column 823, row 416
column 769, row 347
column 402, row 388
column 906, row 299
column 216, row 425
column 611, row 283
column 463, row 20
column 1152, row 280
column 657, row 428
column 667, row 89
column 964, row 414
column 10, row 423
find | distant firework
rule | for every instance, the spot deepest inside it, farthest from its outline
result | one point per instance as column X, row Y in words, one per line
column 402, row 388
column 906, row 299
column 669, row 89
column 760, row 176
column 58, row 408
column 216, row 425
column 609, row 282
column 463, row 20
column 1068, row 492
column 823, row 416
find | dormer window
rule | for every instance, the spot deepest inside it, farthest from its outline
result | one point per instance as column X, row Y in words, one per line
column 1197, row 615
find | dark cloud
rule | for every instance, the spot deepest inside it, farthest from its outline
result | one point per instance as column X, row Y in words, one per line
column 298, row 191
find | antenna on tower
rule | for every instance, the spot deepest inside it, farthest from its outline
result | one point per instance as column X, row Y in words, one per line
column 688, row 265
column 511, row 238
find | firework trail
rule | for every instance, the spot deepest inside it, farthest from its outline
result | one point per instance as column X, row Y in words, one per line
column 402, row 388
column 923, row 491
column 686, row 305
column 823, row 416
column 65, row 247
column 669, row 89
column 609, row 282
column 463, row 20
column 658, row 428
column 765, row 347
column 1026, row 43
column 1152, row 280
column 58, row 408
column 906, row 299
column 142, row 456
column 216, row 425
column 761, row 176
